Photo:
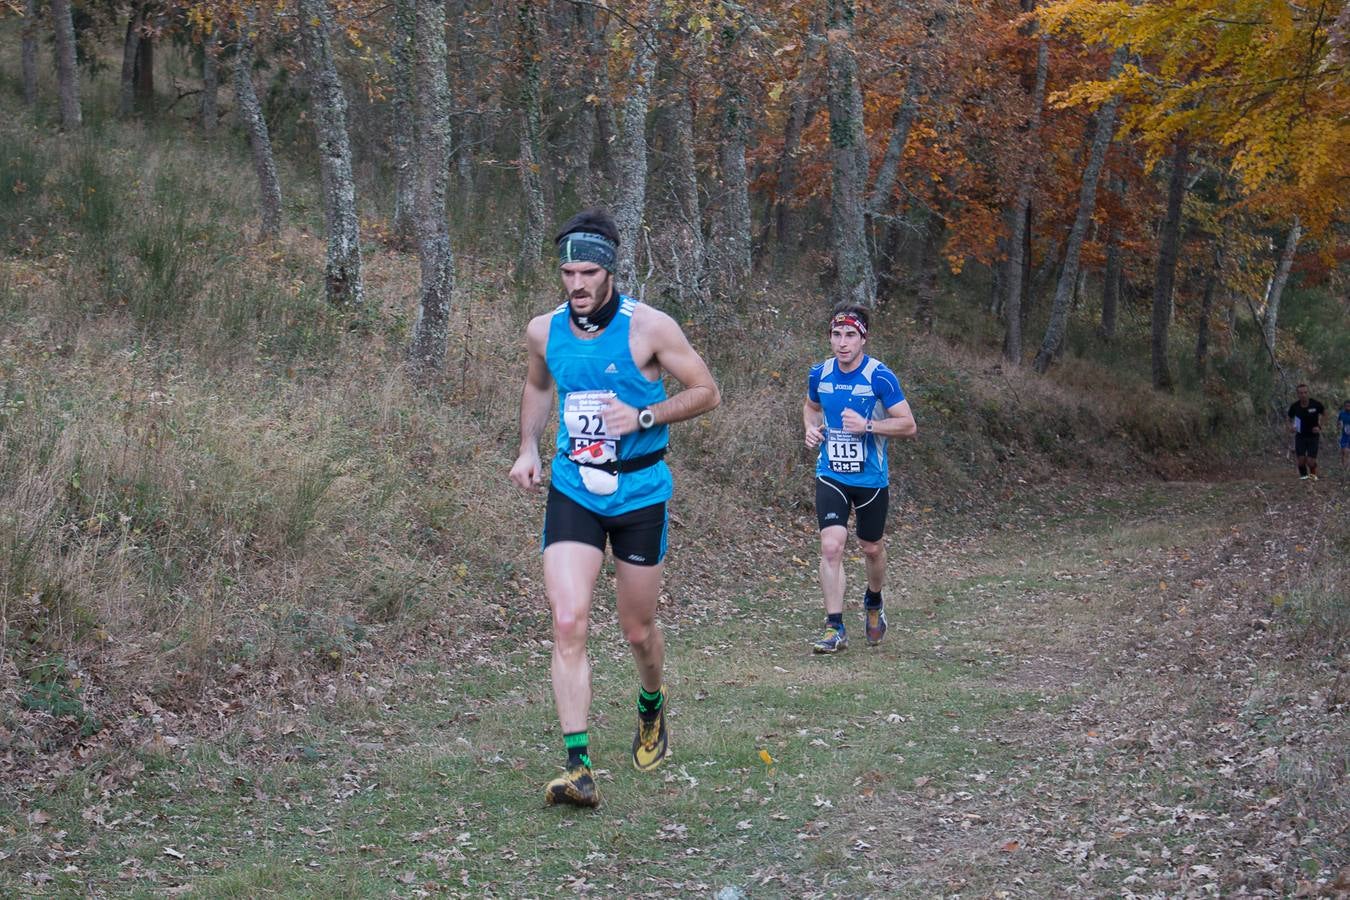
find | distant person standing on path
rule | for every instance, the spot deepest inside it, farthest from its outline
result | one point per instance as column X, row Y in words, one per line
column 1305, row 423
column 605, row 355
column 1343, row 420
column 854, row 405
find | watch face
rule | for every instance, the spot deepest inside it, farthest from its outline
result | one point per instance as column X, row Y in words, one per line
column 646, row 418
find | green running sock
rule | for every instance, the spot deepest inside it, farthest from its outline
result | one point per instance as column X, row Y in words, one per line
column 578, row 742
column 649, row 703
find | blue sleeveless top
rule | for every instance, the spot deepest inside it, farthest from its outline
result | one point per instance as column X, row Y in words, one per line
column 584, row 368
column 869, row 390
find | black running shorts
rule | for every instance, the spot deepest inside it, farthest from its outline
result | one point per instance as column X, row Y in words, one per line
column 638, row 537
column 834, row 500
column 1306, row 445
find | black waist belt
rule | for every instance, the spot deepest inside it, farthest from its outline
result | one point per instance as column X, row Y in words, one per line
column 632, row 464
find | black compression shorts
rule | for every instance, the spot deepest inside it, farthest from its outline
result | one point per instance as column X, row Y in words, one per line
column 1306, row 445
column 834, row 500
column 638, row 537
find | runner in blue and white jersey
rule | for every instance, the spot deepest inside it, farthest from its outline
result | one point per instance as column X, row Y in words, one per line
column 854, row 405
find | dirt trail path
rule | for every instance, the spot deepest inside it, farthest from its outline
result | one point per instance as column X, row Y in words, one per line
column 1094, row 690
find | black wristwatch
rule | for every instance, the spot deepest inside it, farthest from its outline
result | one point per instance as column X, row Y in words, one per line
column 646, row 418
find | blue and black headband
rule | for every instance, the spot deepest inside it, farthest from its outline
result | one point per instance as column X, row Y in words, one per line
column 587, row 247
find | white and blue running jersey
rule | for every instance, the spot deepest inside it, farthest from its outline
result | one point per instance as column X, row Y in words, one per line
column 869, row 390
column 587, row 373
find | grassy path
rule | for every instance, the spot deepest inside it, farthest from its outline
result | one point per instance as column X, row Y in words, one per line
column 1102, row 690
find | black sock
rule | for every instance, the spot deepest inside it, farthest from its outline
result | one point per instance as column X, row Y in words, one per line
column 835, row 621
column 872, row 599
column 578, row 742
column 1302, row 470
column 649, row 703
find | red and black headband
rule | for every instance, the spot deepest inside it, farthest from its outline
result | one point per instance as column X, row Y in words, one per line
column 851, row 320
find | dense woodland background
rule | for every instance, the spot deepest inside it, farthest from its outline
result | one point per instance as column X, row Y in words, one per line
column 266, row 268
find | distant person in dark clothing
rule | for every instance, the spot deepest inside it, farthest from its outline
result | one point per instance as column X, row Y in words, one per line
column 1305, row 423
column 1343, row 420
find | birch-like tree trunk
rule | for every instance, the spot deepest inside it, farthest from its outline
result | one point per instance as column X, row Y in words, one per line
column 210, row 81
column 884, row 185
column 30, row 52
column 1019, row 239
column 801, row 110
column 404, row 226
column 530, row 51
column 431, row 103
column 1087, row 204
column 259, row 138
column 1169, row 245
column 131, row 47
column 1270, row 321
column 342, row 264
column 854, row 279
column 67, row 75
column 632, row 198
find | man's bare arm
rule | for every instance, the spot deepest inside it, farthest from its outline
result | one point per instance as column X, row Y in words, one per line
column 536, row 401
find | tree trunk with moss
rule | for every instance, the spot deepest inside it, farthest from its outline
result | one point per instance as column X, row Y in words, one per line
column 1275, row 291
column 30, row 52
column 403, row 226
column 67, row 75
column 210, row 81
column 1087, row 204
column 342, row 264
column 259, row 138
column 431, row 103
column 1016, row 280
column 631, row 202
column 854, row 279
column 530, row 52
column 1169, row 245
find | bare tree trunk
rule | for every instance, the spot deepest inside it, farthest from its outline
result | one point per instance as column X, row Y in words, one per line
column 250, row 113
column 1087, row 203
column 678, row 115
column 67, row 75
column 731, row 215
column 882, row 188
column 210, row 80
column 342, row 264
column 30, row 52
column 431, row 102
column 404, row 226
column 855, row 281
column 1169, row 245
column 131, row 47
column 1012, row 306
column 1270, row 322
column 144, row 79
column 631, row 202
column 606, row 127
column 1111, row 282
column 1206, row 309
column 801, row 110
column 536, row 210
column 933, row 233
column 576, row 144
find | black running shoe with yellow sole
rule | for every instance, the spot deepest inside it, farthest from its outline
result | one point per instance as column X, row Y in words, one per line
column 651, row 744
column 575, row 787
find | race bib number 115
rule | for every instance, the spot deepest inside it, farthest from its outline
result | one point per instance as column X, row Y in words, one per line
column 844, row 452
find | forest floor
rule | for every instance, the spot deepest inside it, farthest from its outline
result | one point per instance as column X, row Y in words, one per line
column 1092, row 689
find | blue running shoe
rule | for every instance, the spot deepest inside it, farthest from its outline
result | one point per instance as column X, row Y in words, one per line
column 832, row 641
column 876, row 624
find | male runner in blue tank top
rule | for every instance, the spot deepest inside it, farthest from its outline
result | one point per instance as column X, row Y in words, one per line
column 604, row 353
column 854, row 404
